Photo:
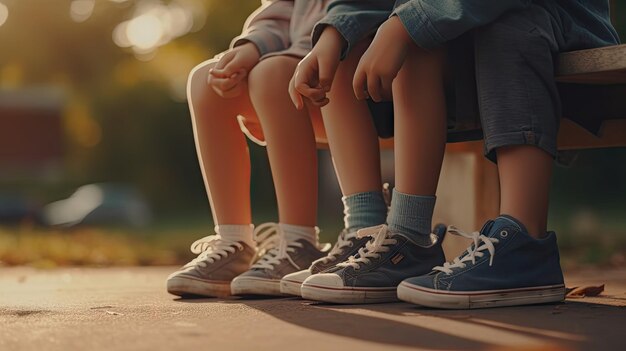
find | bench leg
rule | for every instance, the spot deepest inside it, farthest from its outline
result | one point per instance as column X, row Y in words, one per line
column 468, row 192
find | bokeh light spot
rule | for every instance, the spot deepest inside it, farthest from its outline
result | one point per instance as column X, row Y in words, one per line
column 81, row 10
column 155, row 25
column 144, row 32
column 4, row 13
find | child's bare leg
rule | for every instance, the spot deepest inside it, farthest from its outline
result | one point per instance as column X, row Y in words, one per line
column 225, row 164
column 420, row 125
column 352, row 137
column 523, row 193
column 405, row 247
column 221, row 147
column 290, row 141
column 353, row 142
column 420, row 138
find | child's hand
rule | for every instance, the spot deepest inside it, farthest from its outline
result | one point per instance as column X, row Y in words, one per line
column 382, row 61
column 228, row 87
column 315, row 73
column 232, row 68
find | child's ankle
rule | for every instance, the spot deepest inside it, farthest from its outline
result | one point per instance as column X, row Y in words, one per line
column 237, row 232
column 294, row 232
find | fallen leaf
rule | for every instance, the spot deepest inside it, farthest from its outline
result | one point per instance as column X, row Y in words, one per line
column 586, row 291
column 569, row 290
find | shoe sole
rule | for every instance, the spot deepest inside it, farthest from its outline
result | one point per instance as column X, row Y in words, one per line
column 255, row 286
column 348, row 295
column 183, row 286
column 290, row 287
column 480, row 299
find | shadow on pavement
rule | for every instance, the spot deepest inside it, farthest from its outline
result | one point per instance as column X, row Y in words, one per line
column 571, row 325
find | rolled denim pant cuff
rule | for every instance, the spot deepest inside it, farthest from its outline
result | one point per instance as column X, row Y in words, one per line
column 545, row 142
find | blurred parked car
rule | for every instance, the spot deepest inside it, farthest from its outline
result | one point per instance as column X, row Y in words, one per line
column 100, row 204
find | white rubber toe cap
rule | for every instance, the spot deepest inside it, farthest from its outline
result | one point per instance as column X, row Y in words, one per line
column 331, row 280
column 298, row 277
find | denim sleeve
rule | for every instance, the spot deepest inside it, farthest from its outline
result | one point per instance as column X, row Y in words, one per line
column 268, row 27
column 354, row 19
column 434, row 22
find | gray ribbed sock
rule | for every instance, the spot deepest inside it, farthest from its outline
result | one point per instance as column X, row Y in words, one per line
column 364, row 210
column 411, row 215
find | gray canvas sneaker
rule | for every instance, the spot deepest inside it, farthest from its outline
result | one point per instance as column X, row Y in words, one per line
column 281, row 257
column 210, row 274
column 348, row 244
column 373, row 275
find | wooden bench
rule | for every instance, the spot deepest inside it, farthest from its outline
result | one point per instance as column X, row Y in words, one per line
column 592, row 86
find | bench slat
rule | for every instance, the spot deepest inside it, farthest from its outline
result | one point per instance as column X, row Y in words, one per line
column 605, row 65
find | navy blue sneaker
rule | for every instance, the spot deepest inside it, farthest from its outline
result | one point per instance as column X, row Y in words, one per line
column 373, row 274
column 503, row 267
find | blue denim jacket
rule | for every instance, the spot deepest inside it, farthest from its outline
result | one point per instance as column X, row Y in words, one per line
column 431, row 23
column 354, row 19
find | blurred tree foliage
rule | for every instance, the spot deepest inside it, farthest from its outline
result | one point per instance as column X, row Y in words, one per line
column 132, row 110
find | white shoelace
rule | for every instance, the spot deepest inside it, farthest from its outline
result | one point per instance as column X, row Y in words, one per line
column 273, row 246
column 473, row 251
column 373, row 248
column 344, row 241
column 212, row 248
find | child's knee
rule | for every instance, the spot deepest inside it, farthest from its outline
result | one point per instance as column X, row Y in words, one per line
column 432, row 60
column 348, row 66
column 197, row 82
column 422, row 69
column 270, row 77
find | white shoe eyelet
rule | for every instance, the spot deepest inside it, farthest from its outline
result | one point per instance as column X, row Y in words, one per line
column 504, row 233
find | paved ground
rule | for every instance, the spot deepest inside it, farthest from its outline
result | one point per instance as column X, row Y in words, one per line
column 127, row 309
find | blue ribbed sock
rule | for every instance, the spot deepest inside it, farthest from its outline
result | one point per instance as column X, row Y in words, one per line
column 411, row 215
column 364, row 210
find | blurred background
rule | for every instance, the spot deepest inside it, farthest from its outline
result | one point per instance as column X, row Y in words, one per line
column 97, row 160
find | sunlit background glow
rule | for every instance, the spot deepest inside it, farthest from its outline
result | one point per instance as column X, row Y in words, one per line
column 4, row 13
column 144, row 32
column 81, row 10
column 155, row 24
